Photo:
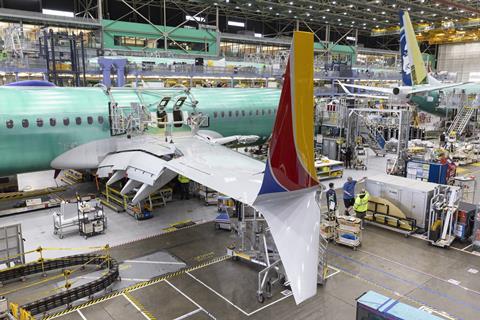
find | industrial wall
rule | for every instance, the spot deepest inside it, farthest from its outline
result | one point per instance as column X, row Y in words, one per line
column 461, row 58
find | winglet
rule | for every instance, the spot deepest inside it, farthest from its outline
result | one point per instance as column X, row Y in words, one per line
column 290, row 164
column 413, row 68
column 287, row 195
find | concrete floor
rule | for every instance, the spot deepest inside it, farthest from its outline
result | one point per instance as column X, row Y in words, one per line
column 399, row 267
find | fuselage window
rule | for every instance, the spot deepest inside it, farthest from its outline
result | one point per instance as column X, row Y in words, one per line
column 39, row 122
column 230, row 114
column 89, row 120
column 257, row 112
column 78, row 120
column 53, row 122
column 215, row 114
column 269, row 111
column 274, row 111
column 223, row 114
column 66, row 121
column 25, row 123
column 9, row 124
column 100, row 119
column 250, row 113
column 237, row 113
column 243, row 113
column 263, row 112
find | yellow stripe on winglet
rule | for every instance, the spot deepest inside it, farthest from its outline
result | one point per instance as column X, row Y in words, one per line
column 419, row 72
column 303, row 115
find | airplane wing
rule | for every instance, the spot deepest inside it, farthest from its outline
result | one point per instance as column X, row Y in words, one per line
column 368, row 88
column 363, row 95
column 284, row 190
column 428, row 88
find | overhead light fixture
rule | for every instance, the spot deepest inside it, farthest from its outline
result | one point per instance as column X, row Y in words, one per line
column 289, row 11
column 58, row 13
column 258, row 35
column 291, row 2
column 323, row 17
column 376, row 26
column 249, row 4
column 450, row 8
column 270, row 8
column 344, row 13
column 374, row 19
column 334, row 2
column 311, row 7
column 339, row 19
column 368, row 9
column 394, row 5
column 383, row 12
column 351, row 6
column 422, row 12
column 328, row 9
column 236, row 24
column 192, row 18
column 387, row 21
column 308, row 14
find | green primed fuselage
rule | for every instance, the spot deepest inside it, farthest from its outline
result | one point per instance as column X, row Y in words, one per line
column 39, row 124
column 429, row 102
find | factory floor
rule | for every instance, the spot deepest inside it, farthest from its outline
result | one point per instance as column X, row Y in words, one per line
column 443, row 281
column 208, row 285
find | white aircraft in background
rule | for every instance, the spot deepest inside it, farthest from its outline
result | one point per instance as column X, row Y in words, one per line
column 283, row 190
column 415, row 77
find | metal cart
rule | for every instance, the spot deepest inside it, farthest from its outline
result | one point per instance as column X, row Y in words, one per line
column 348, row 231
column 360, row 160
column 91, row 218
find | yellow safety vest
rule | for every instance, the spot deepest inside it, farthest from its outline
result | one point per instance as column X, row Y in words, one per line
column 361, row 204
column 183, row 179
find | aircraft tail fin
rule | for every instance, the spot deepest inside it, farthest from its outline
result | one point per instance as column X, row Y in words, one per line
column 287, row 195
column 414, row 71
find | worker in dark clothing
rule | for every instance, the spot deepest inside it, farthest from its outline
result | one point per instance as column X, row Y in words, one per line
column 348, row 157
column 331, row 198
column 443, row 137
column 184, row 187
column 349, row 193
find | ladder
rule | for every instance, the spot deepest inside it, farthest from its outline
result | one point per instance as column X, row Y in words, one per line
column 322, row 260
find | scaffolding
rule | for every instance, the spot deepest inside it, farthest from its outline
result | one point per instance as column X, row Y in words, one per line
column 367, row 127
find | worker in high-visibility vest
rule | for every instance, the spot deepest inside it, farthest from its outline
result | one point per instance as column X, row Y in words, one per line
column 184, row 187
column 361, row 205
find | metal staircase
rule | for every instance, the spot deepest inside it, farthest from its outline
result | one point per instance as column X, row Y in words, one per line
column 13, row 43
column 462, row 119
column 373, row 138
